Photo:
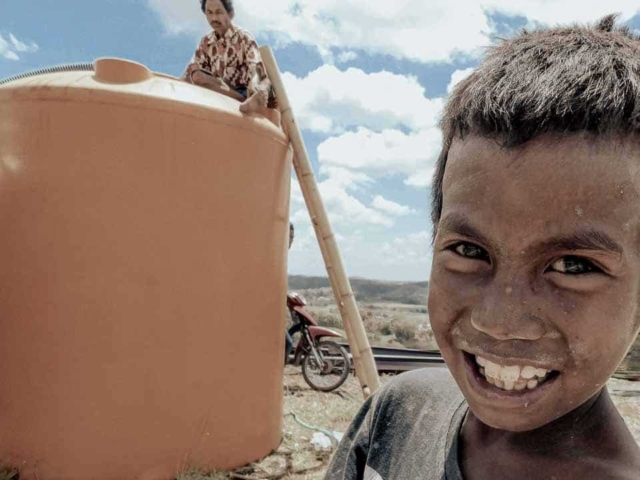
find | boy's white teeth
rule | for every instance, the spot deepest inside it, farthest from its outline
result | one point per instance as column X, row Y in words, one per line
column 511, row 377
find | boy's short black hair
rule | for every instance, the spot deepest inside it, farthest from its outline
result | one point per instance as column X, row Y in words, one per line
column 227, row 4
column 564, row 80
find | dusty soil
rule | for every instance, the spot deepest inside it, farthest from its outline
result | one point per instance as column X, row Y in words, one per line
column 296, row 459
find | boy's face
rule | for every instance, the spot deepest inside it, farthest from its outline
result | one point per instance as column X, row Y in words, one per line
column 217, row 16
column 536, row 268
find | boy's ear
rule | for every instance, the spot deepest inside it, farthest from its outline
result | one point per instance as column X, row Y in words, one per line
column 232, row 14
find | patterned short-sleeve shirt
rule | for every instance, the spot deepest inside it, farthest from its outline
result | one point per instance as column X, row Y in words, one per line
column 233, row 57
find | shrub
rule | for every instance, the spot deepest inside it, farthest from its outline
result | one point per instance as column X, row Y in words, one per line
column 386, row 329
column 329, row 319
column 404, row 330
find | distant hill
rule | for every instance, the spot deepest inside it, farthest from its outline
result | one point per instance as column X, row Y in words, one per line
column 368, row 291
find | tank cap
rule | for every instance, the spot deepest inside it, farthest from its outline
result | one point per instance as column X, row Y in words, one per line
column 118, row 71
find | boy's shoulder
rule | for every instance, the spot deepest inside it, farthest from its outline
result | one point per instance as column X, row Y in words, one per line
column 427, row 386
column 412, row 426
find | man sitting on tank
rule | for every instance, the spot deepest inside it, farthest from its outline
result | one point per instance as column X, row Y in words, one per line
column 228, row 61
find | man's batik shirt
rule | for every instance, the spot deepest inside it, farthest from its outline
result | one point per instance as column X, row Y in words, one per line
column 234, row 58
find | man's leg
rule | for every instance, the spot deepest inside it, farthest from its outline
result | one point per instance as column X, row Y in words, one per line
column 295, row 328
column 288, row 347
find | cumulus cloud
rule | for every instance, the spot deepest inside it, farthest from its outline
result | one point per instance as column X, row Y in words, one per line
column 330, row 100
column 384, row 154
column 416, row 30
column 6, row 52
column 338, row 191
column 9, row 49
column 22, row 47
column 457, row 77
column 347, row 56
column 391, row 208
column 562, row 11
column 411, row 249
column 345, row 208
column 402, row 258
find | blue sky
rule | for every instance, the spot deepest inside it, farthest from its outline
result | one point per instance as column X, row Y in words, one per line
column 367, row 79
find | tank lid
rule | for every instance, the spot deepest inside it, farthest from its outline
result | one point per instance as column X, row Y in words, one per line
column 119, row 71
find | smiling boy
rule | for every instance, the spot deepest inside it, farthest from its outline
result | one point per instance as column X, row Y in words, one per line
column 535, row 285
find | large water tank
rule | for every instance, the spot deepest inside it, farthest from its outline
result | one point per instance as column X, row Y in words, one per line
column 144, row 227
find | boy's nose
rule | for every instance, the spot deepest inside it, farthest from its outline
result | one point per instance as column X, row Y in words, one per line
column 505, row 314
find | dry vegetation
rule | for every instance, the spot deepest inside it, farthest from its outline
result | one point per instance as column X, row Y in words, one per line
column 394, row 313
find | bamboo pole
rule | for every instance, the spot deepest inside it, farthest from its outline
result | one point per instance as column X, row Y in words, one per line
column 354, row 328
column 355, row 349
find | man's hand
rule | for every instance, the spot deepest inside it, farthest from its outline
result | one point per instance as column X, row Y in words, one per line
column 254, row 103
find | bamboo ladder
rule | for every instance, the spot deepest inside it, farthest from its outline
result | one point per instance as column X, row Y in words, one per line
column 364, row 362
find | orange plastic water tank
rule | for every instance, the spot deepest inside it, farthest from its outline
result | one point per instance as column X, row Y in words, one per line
column 142, row 276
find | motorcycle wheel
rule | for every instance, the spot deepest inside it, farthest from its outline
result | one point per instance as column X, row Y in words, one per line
column 332, row 373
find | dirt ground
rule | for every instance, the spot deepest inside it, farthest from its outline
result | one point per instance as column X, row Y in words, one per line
column 297, row 459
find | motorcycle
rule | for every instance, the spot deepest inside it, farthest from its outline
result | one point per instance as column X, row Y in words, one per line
column 325, row 363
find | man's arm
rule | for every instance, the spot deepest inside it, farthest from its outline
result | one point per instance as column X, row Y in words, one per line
column 199, row 61
column 204, row 79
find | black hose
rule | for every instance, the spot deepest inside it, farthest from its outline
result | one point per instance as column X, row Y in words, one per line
column 74, row 67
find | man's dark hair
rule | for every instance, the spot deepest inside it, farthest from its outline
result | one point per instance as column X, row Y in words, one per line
column 564, row 80
column 227, row 4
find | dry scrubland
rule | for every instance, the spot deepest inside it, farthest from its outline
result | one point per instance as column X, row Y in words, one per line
column 394, row 313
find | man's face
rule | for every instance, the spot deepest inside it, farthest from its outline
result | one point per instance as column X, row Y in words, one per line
column 536, row 273
column 217, row 16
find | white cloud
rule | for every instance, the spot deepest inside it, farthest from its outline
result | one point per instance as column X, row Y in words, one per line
column 412, row 29
column 457, row 77
column 347, row 56
column 9, row 55
column 22, row 47
column 421, row 178
column 345, row 208
column 179, row 16
column 345, row 178
column 330, row 100
column 4, row 50
column 9, row 49
column 384, row 154
column 342, row 206
column 411, row 249
column 391, row 208
column 416, row 29
column 552, row 12
column 365, row 254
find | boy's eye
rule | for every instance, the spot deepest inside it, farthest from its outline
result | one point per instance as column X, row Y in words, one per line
column 468, row 250
column 573, row 266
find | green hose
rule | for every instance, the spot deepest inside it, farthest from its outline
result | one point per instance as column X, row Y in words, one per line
column 328, row 433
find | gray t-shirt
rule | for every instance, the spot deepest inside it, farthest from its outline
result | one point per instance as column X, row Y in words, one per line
column 408, row 430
